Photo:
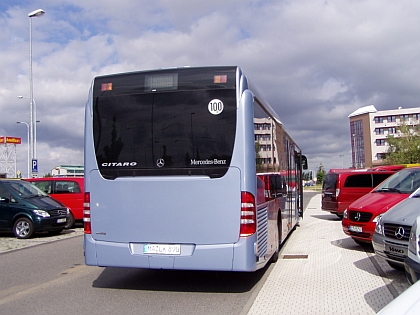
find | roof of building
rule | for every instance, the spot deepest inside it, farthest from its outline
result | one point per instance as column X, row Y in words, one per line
column 363, row 110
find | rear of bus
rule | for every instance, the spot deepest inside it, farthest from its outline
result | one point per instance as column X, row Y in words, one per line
column 170, row 171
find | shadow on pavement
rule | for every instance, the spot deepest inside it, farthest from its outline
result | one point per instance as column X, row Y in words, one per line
column 178, row 280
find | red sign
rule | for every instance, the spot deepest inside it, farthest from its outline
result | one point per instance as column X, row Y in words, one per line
column 11, row 140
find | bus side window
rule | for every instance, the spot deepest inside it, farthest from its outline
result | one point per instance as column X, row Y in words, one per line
column 260, row 191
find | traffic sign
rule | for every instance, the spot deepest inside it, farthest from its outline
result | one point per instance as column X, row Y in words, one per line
column 34, row 166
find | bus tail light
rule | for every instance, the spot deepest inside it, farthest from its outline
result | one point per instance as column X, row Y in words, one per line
column 86, row 213
column 248, row 215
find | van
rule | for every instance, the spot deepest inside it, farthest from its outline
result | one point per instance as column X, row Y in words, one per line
column 67, row 190
column 340, row 189
column 359, row 220
column 25, row 210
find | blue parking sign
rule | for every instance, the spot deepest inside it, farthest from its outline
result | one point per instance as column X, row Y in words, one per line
column 34, row 166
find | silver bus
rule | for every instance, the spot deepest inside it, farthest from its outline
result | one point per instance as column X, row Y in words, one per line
column 171, row 163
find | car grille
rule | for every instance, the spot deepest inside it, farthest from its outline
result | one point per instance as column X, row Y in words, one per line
column 57, row 212
column 358, row 216
column 396, row 231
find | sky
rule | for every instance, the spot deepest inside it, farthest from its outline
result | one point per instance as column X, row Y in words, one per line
column 314, row 61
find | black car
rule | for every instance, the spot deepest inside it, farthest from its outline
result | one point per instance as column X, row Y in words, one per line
column 24, row 209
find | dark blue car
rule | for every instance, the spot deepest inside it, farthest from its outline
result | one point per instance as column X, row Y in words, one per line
column 24, row 209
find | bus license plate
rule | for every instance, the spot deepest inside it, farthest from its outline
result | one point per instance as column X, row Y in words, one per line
column 357, row 229
column 61, row 220
column 162, row 249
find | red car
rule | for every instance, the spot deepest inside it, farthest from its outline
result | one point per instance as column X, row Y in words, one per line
column 67, row 190
column 359, row 220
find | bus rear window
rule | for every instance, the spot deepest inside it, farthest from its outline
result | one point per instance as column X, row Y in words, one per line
column 165, row 133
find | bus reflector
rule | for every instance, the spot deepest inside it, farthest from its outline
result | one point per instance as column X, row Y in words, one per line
column 220, row 78
column 106, row 87
column 248, row 214
column 86, row 214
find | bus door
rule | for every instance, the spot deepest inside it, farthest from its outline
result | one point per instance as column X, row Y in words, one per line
column 301, row 163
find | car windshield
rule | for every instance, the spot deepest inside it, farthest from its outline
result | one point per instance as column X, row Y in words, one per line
column 405, row 181
column 24, row 189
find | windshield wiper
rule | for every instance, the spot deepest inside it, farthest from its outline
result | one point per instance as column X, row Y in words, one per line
column 388, row 190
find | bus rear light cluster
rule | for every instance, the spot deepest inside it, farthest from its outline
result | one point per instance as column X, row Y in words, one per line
column 86, row 214
column 248, row 215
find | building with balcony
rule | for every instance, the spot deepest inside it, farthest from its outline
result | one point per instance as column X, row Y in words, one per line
column 369, row 129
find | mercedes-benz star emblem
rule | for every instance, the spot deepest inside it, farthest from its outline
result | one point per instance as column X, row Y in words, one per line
column 357, row 216
column 399, row 232
column 160, row 162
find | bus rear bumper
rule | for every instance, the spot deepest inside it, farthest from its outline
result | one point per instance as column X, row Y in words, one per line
column 218, row 257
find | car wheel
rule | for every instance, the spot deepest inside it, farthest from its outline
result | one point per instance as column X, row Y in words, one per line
column 70, row 221
column 23, row 228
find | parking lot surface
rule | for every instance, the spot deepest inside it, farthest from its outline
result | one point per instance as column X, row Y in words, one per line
column 323, row 271
column 9, row 242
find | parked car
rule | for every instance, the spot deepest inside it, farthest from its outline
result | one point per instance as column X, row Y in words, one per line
column 24, row 209
column 67, row 190
column 392, row 231
column 412, row 262
column 359, row 220
column 407, row 303
column 341, row 188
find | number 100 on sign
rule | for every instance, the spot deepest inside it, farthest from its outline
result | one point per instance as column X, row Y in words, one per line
column 215, row 106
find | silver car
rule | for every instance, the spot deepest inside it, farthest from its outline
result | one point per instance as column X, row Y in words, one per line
column 392, row 231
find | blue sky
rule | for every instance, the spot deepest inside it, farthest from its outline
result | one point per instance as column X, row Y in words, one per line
column 314, row 61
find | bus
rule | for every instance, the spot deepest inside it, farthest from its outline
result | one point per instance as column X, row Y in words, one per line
column 171, row 161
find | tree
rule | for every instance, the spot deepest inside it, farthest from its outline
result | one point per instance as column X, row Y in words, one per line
column 320, row 174
column 404, row 146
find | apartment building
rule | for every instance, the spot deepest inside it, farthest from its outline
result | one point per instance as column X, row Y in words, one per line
column 369, row 129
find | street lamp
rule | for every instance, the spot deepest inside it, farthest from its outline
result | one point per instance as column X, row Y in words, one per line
column 29, row 159
column 32, row 123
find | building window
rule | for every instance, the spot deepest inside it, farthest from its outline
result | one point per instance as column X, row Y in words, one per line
column 380, row 142
column 392, row 118
column 266, row 126
column 381, row 156
column 391, row 130
column 379, row 120
column 404, row 117
column 379, row 131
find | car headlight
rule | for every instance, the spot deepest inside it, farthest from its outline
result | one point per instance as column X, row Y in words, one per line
column 412, row 240
column 42, row 213
column 378, row 228
column 345, row 214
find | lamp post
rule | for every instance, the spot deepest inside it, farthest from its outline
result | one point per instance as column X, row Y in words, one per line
column 29, row 159
column 32, row 124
